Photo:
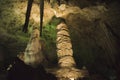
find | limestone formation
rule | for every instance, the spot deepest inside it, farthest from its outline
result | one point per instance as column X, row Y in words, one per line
column 65, row 54
column 33, row 53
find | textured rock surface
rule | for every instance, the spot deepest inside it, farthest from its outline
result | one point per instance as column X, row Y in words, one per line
column 94, row 30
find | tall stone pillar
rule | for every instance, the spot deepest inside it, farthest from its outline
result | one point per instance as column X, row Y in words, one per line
column 67, row 70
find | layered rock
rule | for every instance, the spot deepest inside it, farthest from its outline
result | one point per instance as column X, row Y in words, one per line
column 65, row 55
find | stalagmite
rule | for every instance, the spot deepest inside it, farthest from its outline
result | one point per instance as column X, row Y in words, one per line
column 66, row 61
column 33, row 53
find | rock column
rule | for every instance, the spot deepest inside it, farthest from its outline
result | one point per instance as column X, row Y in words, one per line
column 67, row 70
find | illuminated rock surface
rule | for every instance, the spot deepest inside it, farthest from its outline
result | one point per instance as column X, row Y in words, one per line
column 93, row 26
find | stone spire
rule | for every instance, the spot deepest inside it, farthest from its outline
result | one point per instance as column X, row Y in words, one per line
column 66, row 61
column 33, row 52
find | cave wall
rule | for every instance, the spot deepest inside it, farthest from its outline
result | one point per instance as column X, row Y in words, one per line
column 94, row 28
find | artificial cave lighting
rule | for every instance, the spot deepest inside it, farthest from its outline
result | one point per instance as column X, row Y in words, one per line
column 72, row 79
